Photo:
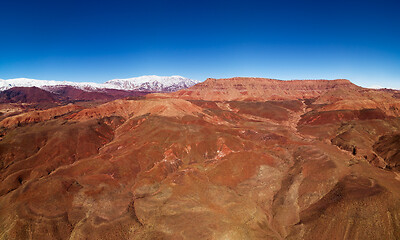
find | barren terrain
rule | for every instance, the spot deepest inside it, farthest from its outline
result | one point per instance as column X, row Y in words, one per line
column 241, row 158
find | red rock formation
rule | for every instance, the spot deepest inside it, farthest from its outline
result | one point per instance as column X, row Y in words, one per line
column 260, row 89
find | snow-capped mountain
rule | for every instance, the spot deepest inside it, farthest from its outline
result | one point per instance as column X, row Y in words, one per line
column 47, row 84
column 144, row 83
column 153, row 83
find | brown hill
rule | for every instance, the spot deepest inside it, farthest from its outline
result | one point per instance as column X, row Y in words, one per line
column 131, row 108
column 68, row 93
column 26, row 95
column 63, row 94
column 38, row 116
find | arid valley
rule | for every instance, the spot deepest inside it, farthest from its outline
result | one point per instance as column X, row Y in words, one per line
column 237, row 158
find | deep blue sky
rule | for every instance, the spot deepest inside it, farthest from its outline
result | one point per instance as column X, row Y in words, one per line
column 101, row 40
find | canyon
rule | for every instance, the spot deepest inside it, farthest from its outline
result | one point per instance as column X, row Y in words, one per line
column 237, row 158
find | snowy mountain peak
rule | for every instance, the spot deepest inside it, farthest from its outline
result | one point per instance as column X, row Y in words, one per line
column 153, row 83
column 150, row 83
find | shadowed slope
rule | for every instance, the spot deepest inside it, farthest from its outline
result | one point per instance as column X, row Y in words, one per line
column 26, row 95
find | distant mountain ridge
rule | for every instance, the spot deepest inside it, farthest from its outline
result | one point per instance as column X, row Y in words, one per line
column 26, row 95
column 153, row 83
column 150, row 83
column 63, row 94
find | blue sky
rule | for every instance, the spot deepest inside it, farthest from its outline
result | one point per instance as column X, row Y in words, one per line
column 284, row 39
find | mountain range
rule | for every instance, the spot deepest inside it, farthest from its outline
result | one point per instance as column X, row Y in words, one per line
column 144, row 83
column 25, row 90
column 238, row 158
